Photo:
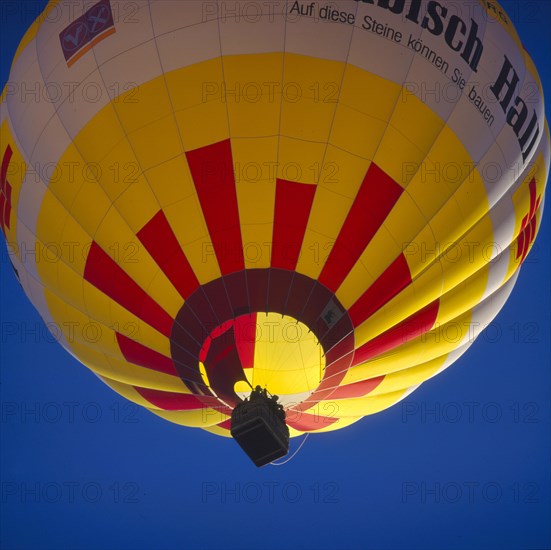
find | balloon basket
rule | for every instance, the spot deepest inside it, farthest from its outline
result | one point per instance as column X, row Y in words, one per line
column 258, row 426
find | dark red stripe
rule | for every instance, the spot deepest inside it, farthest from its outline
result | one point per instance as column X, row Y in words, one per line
column 257, row 286
column 300, row 291
column 5, row 190
column 336, row 334
column 246, row 329
column 159, row 240
column 292, row 210
column 138, row 354
column 200, row 306
column 222, row 364
column 278, row 289
column 170, row 401
column 236, row 285
column 187, row 332
column 218, row 298
column 394, row 279
column 5, row 163
column 358, row 389
column 412, row 327
column 309, row 422
column 212, row 171
column 377, row 196
column 106, row 275
column 226, row 425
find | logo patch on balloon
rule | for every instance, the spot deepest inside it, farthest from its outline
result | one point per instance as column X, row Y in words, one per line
column 87, row 31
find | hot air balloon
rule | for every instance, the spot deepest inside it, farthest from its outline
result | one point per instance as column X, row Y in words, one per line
column 327, row 201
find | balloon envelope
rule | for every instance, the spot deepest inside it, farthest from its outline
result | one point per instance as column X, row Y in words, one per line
column 329, row 202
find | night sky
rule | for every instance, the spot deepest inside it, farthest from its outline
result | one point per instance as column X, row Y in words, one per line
column 464, row 462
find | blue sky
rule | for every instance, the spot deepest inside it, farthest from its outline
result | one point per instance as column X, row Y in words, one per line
column 464, row 462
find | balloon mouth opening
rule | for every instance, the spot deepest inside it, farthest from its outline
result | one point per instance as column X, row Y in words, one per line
column 271, row 327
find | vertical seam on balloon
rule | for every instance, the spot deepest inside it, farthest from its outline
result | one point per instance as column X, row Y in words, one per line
column 230, row 141
column 180, row 134
column 288, row 290
column 196, row 196
column 345, row 65
column 223, row 78
column 126, row 136
column 284, row 57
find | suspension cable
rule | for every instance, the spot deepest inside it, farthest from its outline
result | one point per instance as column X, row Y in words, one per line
column 293, row 455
